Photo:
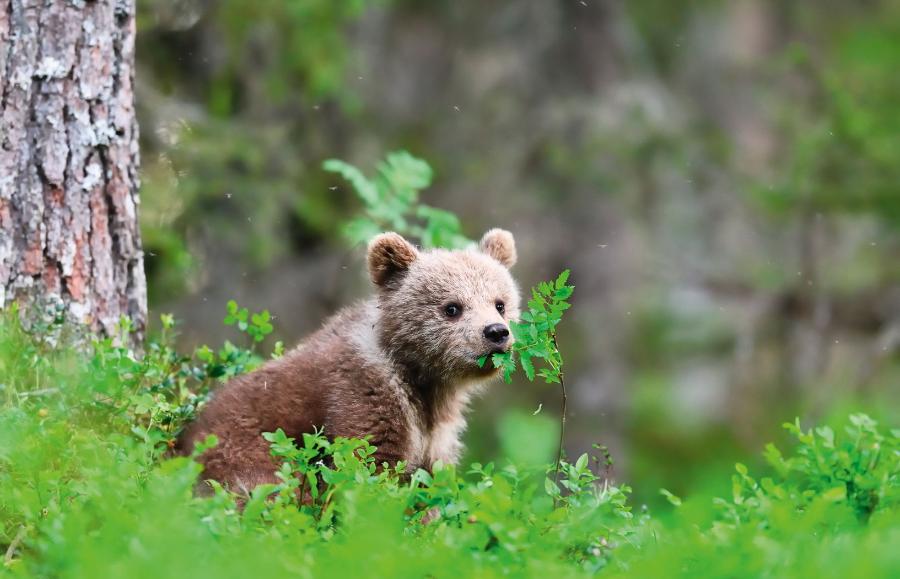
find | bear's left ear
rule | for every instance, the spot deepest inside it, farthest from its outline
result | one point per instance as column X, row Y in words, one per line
column 389, row 256
column 499, row 244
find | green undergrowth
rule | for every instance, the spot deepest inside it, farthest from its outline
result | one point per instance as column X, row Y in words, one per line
column 88, row 488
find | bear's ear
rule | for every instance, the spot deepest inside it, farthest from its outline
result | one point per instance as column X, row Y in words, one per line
column 389, row 255
column 499, row 244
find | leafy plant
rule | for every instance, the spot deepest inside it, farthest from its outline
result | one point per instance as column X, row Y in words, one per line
column 163, row 390
column 257, row 325
column 84, row 494
column 391, row 202
column 535, row 333
column 859, row 470
column 535, row 338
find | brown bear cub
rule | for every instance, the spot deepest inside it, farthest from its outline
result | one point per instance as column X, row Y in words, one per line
column 399, row 367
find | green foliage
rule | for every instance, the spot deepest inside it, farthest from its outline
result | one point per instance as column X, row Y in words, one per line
column 257, row 325
column 850, row 475
column 841, row 140
column 89, row 493
column 827, row 509
column 535, row 333
column 391, row 202
column 311, row 39
column 154, row 394
column 166, row 388
column 859, row 469
column 87, row 490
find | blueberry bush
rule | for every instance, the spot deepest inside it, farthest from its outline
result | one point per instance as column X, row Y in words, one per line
column 88, row 488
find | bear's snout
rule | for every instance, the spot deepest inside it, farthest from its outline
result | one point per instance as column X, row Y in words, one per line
column 496, row 333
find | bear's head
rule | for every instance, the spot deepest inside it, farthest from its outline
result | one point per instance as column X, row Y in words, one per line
column 441, row 310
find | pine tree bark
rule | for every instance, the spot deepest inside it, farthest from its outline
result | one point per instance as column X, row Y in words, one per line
column 69, row 159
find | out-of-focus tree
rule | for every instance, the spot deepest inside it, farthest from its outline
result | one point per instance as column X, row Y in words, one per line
column 242, row 96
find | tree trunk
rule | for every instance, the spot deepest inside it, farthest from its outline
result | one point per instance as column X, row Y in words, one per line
column 69, row 231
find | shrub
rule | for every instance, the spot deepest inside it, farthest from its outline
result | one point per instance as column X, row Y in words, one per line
column 87, row 490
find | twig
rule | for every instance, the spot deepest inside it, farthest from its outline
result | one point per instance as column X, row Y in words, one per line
column 39, row 392
column 303, row 490
column 17, row 540
column 562, row 421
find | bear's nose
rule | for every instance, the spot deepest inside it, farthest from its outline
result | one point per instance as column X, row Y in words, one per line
column 497, row 333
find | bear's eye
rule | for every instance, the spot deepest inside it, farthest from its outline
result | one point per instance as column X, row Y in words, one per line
column 501, row 307
column 452, row 310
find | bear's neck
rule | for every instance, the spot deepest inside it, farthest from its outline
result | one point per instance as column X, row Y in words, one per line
column 435, row 397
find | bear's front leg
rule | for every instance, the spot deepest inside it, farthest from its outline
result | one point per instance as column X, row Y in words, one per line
column 240, row 461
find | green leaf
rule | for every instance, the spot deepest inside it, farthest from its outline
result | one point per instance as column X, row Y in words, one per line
column 312, row 484
column 527, row 365
column 582, row 462
column 835, row 494
column 548, row 375
column 360, row 230
column 563, row 293
column 551, row 488
column 827, row 435
column 674, row 500
column 406, row 171
column 364, row 188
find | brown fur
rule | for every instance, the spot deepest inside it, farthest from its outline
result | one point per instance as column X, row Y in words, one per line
column 394, row 367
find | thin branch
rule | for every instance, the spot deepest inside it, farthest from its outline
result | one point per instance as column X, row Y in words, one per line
column 39, row 392
column 303, row 489
column 562, row 422
column 17, row 540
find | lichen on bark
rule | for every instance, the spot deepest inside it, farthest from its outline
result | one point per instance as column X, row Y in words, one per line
column 69, row 161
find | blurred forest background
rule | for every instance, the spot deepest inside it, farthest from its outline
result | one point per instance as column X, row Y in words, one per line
column 722, row 177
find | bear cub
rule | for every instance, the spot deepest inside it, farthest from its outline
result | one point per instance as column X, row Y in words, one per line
column 399, row 367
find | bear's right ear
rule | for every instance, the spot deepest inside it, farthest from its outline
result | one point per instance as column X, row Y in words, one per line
column 389, row 255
